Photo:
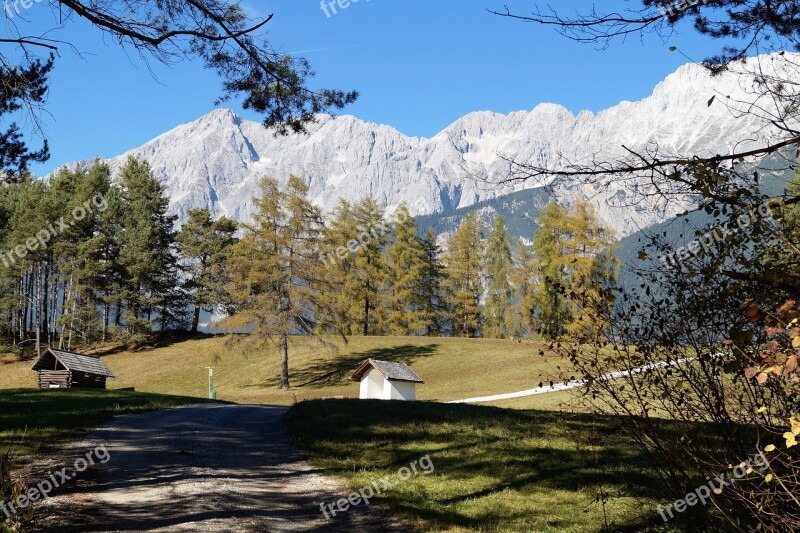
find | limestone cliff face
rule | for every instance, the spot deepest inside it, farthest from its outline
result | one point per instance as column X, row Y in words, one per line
column 217, row 160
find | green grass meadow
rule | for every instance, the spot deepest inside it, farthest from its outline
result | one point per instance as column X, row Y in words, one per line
column 539, row 463
column 32, row 419
column 452, row 368
column 494, row 469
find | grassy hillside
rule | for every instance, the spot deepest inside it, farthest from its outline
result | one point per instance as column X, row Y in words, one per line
column 490, row 469
column 452, row 368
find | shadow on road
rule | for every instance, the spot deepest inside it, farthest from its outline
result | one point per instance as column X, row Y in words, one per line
column 200, row 468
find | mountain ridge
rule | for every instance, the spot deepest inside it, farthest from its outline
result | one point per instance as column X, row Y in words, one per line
column 217, row 160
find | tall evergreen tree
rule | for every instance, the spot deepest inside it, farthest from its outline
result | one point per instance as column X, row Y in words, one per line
column 339, row 263
column 204, row 246
column 593, row 273
column 573, row 256
column 550, row 248
column 112, row 272
column 147, row 254
column 432, row 285
column 463, row 266
column 371, row 275
column 29, row 216
column 407, row 261
column 524, row 281
column 275, row 268
column 79, row 251
column 499, row 264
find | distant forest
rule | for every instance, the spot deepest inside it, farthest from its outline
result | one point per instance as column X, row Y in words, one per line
column 85, row 260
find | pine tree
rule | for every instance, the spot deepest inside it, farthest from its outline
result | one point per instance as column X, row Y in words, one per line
column 406, row 265
column 79, row 251
column 339, row 264
column 7, row 281
column 147, row 253
column 463, row 268
column 29, row 216
column 204, row 246
column 550, row 249
column 432, row 285
column 371, row 275
column 498, row 270
column 593, row 273
column 275, row 268
column 50, row 278
column 111, row 284
column 525, row 282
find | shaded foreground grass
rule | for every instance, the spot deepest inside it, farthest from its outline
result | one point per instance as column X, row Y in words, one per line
column 495, row 469
column 32, row 419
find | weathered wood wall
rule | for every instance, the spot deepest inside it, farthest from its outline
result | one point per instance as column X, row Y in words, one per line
column 49, row 379
column 64, row 379
column 88, row 381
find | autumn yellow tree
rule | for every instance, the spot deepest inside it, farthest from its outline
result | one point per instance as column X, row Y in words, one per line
column 573, row 256
column 275, row 269
column 463, row 285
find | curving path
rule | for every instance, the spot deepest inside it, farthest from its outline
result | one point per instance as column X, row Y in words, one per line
column 573, row 384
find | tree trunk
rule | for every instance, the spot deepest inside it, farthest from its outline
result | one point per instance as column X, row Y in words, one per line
column 163, row 317
column 196, row 318
column 57, row 284
column 25, row 299
column 106, row 311
column 284, row 342
column 45, row 300
column 21, row 310
column 38, row 300
column 65, row 327
column 366, row 312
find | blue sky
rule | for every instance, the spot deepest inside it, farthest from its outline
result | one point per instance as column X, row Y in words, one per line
column 418, row 64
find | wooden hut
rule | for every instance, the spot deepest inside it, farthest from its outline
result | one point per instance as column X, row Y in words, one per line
column 67, row 370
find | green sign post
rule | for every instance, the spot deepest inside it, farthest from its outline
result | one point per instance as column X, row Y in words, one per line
column 212, row 394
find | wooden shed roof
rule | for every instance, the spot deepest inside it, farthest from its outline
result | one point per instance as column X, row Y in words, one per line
column 76, row 362
column 390, row 371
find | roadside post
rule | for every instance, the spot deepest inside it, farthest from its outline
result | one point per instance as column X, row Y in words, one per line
column 212, row 394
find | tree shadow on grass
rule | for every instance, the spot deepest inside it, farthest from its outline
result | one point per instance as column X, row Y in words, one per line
column 162, row 339
column 545, row 467
column 322, row 372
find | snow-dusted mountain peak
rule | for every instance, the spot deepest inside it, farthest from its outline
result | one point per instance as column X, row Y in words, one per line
column 217, row 160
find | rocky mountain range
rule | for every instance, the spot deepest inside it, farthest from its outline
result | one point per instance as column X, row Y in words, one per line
column 217, row 160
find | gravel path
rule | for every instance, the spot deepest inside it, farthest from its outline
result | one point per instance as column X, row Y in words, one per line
column 199, row 468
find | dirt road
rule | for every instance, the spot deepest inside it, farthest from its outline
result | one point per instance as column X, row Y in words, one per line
column 200, row 468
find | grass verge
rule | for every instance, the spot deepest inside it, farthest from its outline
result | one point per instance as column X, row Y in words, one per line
column 494, row 469
column 33, row 419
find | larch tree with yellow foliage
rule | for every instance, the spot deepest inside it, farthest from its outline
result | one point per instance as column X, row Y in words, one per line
column 463, row 285
column 573, row 256
column 275, row 270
